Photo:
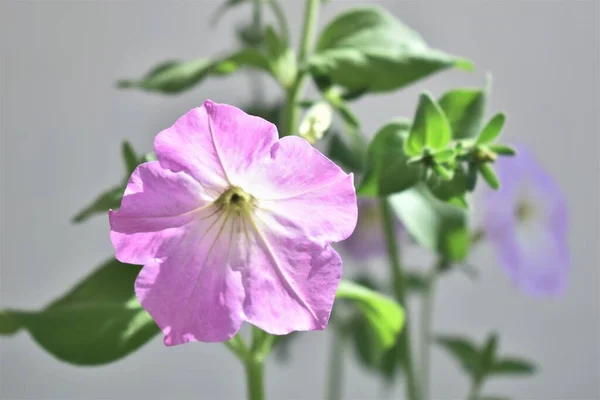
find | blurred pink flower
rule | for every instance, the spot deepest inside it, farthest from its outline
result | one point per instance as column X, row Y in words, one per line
column 233, row 224
column 526, row 221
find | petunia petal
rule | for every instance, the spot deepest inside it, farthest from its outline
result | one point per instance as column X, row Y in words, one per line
column 156, row 208
column 291, row 281
column 215, row 143
column 196, row 293
column 532, row 249
column 300, row 185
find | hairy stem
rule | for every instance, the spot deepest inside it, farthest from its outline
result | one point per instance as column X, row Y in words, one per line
column 399, row 283
column 255, row 378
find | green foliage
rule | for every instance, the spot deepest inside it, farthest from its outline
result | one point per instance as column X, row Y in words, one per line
column 281, row 58
column 484, row 362
column 387, row 170
column 492, row 129
column 434, row 224
column 111, row 198
column 348, row 158
column 512, row 366
column 464, row 109
column 488, row 173
column 430, row 129
column 97, row 322
column 369, row 50
column 176, row 76
column 384, row 317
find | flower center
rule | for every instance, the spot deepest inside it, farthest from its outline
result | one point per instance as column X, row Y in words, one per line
column 235, row 201
column 524, row 210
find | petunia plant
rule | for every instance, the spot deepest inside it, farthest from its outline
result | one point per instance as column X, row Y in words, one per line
column 229, row 229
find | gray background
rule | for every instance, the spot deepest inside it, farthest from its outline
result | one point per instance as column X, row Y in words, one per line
column 62, row 122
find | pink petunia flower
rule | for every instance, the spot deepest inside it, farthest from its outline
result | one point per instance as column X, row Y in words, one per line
column 233, row 224
column 526, row 221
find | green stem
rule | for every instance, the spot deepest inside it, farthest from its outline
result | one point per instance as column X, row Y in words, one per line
column 336, row 373
column 255, row 378
column 289, row 120
column 474, row 391
column 281, row 20
column 427, row 306
column 399, row 283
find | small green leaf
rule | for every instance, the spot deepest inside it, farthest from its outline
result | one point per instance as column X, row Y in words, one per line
column 471, row 179
column 130, row 159
column 444, row 155
column 415, row 282
column 489, row 175
column 449, row 189
column 512, row 366
column 97, row 322
column 430, row 128
column 433, row 224
column 488, row 355
column 9, row 323
column 463, row 351
column 111, row 199
column 387, row 170
column 349, row 159
column 502, row 150
column 177, row 76
column 367, row 49
column 464, row 109
column 384, row 316
column 443, row 172
column 492, row 129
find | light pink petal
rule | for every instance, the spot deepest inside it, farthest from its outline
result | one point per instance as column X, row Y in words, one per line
column 301, row 186
column 291, row 281
column 215, row 143
column 155, row 211
column 196, row 293
column 242, row 140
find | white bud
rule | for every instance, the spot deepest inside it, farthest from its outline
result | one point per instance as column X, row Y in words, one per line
column 316, row 121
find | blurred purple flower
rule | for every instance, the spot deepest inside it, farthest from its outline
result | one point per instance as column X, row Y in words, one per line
column 367, row 241
column 526, row 221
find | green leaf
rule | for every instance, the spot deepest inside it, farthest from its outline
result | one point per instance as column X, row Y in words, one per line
column 443, row 172
column 430, row 128
column 177, row 76
column 463, row 351
column 444, row 155
column 502, row 149
column 9, row 323
column 281, row 58
column 340, row 152
column 512, row 366
column 489, row 175
column 434, row 224
column 384, row 316
column 368, row 49
column 387, row 170
column 488, row 355
column 449, row 189
column 111, row 199
column 130, row 159
column 97, row 322
column 464, row 109
column 492, row 129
